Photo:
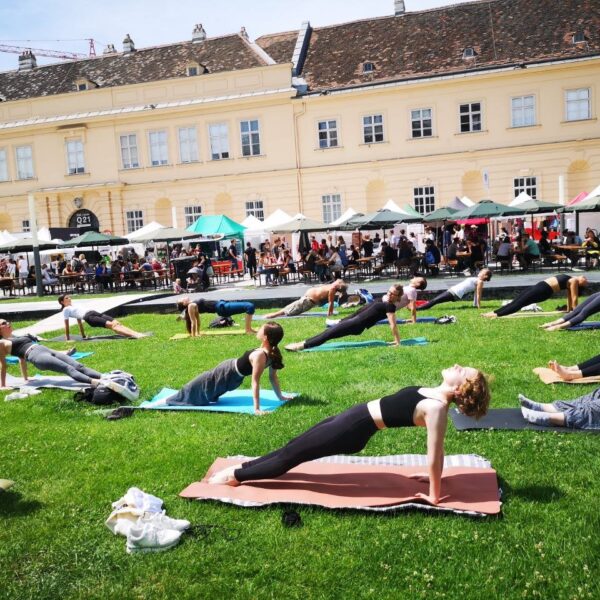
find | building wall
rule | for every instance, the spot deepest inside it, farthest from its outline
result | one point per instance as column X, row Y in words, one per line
column 292, row 172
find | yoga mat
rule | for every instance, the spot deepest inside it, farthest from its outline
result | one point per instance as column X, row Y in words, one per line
column 549, row 376
column 223, row 331
column 405, row 321
column 13, row 360
column 318, row 313
column 505, row 418
column 95, row 338
column 343, row 483
column 582, row 326
column 50, row 381
column 418, row 341
column 237, row 401
column 529, row 313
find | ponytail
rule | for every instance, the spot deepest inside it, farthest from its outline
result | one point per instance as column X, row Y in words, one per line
column 274, row 334
column 183, row 308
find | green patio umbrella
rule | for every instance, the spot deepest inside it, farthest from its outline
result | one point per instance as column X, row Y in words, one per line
column 486, row 209
column 441, row 214
column 592, row 205
column 414, row 214
column 167, row 234
column 381, row 219
column 26, row 245
column 301, row 224
column 538, row 206
column 93, row 239
column 217, row 224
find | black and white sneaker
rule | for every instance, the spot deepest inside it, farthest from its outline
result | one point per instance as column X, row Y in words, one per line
column 123, row 386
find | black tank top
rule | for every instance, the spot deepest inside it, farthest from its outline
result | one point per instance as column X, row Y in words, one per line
column 397, row 410
column 206, row 306
column 562, row 281
column 20, row 345
column 243, row 364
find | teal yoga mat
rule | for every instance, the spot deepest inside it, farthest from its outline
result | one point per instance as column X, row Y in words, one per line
column 401, row 321
column 13, row 360
column 321, row 313
column 237, row 401
column 418, row 341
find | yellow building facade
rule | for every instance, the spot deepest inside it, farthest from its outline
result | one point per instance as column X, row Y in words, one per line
column 252, row 135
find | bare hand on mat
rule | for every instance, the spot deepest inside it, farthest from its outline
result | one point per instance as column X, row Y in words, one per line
column 431, row 499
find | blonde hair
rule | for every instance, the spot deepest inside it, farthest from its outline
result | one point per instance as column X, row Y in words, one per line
column 473, row 396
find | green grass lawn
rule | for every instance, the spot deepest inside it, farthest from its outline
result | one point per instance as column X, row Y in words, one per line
column 70, row 464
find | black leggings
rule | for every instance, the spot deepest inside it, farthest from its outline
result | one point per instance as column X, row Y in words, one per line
column 591, row 367
column 353, row 325
column 46, row 359
column 96, row 319
column 345, row 433
column 443, row 297
column 538, row 293
column 580, row 313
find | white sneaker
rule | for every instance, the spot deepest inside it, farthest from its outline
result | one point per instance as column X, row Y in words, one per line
column 15, row 396
column 331, row 322
column 148, row 538
column 161, row 521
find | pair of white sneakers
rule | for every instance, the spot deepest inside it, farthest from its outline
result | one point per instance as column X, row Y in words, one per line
column 24, row 392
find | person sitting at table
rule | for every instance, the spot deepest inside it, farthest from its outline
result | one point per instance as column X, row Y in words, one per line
column 544, row 245
column 457, row 291
column 335, row 265
column 367, row 246
column 387, row 256
column 432, row 257
column 48, row 277
column 504, row 252
column 353, row 255
column 315, row 296
column 93, row 319
column 285, row 265
column 543, row 290
column 475, row 255
column 592, row 248
column 528, row 251
column 192, row 309
column 266, row 268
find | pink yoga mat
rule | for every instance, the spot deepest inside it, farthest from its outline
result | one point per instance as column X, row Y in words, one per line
column 355, row 486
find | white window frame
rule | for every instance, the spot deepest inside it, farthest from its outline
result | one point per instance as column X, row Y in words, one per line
column 328, row 133
column 25, row 226
column 188, row 145
column 331, row 205
column 4, row 175
column 417, row 117
column 474, row 126
column 577, row 103
column 424, row 199
column 527, row 184
column 250, row 139
column 373, row 127
column 218, row 140
column 134, row 220
column 191, row 214
column 24, row 163
column 255, row 208
column 158, row 146
column 75, row 156
column 523, row 111
column 130, row 154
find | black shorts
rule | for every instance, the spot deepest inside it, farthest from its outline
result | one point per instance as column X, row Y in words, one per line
column 95, row 319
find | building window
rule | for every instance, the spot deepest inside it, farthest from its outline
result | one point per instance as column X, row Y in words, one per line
column 129, row 151
column 75, row 160
column 135, row 220
column 192, row 214
column 578, row 105
column 424, row 198
column 523, row 111
column 25, row 227
column 470, row 117
column 328, row 134
column 159, row 150
column 188, row 145
column 256, row 209
column 250, row 138
column 3, row 165
column 332, row 207
column 24, row 162
column 373, row 129
column 219, row 141
column 193, row 71
column 368, row 67
column 420, row 120
column 527, row 185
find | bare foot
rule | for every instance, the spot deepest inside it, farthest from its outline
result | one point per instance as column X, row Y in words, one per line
column 563, row 372
column 556, row 327
column 295, row 347
column 225, row 477
column 250, row 330
column 490, row 315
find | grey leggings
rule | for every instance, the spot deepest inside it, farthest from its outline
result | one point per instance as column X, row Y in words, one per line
column 49, row 360
column 582, row 412
column 586, row 309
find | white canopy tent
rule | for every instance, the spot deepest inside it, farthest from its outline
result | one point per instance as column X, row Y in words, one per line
column 595, row 193
column 279, row 217
column 143, row 231
column 522, row 197
column 349, row 213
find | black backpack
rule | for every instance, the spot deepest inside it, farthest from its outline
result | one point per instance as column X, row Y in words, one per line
column 100, row 396
column 222, row 322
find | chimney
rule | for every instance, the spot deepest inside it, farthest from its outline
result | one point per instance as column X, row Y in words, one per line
column 27, row 61
column 128, row 45
column 244, row 33
column 399, row 8
column 110, row 49
column 198, row 35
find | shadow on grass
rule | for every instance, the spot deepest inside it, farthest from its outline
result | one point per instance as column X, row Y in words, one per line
column 12, row 505
column 544, row 494
column 304, row 400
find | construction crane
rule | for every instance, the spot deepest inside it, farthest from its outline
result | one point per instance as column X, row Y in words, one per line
column 51, row 53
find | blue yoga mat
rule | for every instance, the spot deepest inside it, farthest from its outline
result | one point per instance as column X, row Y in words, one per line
column 237, row 401
column 402, row 321
column 582, row 326
column 13, row 360
column 320, row 313
column 418, row 341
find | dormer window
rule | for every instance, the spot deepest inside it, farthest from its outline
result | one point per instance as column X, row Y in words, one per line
column 579, row 37
column 469, row 52
column 368, row 67
column 192, row 71
column 83, row 84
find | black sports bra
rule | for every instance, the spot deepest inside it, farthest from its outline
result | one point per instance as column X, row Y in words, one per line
column 243, row 364
column 397, row 410
column 20, row 345
column 562, row 281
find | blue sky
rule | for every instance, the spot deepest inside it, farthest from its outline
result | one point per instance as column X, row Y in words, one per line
column 154, row 22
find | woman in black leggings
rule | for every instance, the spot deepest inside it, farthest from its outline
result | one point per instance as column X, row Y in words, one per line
column 589, row 368
column 542, row 291
column 26, row 349
column 350, row 431
column 586, row 309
